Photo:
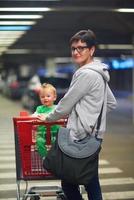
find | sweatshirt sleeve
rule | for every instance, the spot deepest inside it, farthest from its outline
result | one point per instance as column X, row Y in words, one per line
column 111, row 101
column 78, row 87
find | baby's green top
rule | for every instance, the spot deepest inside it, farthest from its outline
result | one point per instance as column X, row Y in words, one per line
column 45, row 109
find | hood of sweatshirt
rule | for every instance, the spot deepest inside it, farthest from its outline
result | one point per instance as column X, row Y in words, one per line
column 99, row 67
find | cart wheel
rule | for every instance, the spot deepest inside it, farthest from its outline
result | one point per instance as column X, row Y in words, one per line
column 34, row 197
column 61, row 196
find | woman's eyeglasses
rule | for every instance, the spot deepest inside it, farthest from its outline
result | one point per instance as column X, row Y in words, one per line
column 79, row 49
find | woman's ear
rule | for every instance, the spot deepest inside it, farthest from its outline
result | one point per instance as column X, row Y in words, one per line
column 92, row 50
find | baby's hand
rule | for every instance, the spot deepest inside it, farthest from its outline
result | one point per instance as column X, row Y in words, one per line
column 34, row 115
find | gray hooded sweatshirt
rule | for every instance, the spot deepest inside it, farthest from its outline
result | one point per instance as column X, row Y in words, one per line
column 82, row 103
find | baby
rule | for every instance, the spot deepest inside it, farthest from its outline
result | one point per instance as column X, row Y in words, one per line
column 47, row 95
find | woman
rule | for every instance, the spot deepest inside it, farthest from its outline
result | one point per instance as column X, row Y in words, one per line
column 82, row 103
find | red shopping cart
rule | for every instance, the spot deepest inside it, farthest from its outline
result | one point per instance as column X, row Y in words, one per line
column 28, row 162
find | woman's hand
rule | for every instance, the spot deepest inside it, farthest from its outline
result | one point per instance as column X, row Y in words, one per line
column 41, row 117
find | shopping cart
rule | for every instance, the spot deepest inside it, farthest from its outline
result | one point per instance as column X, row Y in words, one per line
column 29, row 165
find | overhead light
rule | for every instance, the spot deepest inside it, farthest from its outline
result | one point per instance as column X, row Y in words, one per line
column 127, row 10
column 63, row 60
column 7, row 41
column 11, row 34
column 117, row 46
column 15, row 28
column 26, row 9
column 17, row 22
column 10, row 37
column 2, row 49
column 18, row 51
column 25, row 51
column 21, row 16
column 46, row 9
column 5, row 45
column 7, row 38
column 46, row 0
column 36, row 0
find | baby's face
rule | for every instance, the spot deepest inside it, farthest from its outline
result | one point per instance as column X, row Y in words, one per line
column 47, row 96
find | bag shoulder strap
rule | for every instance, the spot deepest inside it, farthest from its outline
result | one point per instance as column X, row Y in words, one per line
column 100, row 115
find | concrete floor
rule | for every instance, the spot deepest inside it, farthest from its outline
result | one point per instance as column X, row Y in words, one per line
column 116, row 158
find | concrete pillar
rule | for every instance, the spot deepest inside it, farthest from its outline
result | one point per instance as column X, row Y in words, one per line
column 50, row 66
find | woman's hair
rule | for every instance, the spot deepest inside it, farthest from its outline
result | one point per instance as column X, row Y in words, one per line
column 86, row 36
column 49, row 86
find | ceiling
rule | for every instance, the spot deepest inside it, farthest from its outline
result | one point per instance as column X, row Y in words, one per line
column 49, row 37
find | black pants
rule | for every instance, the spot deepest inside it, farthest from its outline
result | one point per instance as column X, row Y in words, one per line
column 93, row 190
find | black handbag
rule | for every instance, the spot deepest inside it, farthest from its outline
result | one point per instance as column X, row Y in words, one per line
column 75, row 168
